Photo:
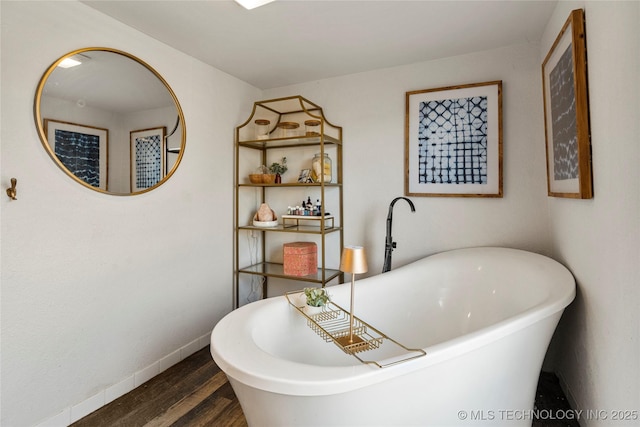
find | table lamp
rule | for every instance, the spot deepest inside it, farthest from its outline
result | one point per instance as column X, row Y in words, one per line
column 353, row 261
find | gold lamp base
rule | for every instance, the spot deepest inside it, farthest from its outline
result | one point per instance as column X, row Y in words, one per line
column 347, row 341
column 354, row 344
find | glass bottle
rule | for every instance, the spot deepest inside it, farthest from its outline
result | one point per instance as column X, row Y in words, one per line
column 321, row 168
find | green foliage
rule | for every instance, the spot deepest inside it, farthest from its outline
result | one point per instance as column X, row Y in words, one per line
column 279, row 168
column 316, row 297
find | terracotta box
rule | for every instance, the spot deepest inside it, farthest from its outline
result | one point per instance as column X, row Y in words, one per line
column 300, row 258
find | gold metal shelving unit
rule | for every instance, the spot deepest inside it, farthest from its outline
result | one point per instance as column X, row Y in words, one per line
column 290, row 109
column 332, row 324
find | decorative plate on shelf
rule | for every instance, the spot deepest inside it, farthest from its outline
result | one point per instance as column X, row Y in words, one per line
column 265, row 224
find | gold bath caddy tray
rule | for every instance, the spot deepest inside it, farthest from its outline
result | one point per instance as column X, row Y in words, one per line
column 333, row 325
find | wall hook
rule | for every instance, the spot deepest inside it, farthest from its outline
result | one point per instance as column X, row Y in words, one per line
column 11, row 191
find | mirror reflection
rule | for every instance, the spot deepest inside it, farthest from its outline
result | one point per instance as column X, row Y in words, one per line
column 110, row 121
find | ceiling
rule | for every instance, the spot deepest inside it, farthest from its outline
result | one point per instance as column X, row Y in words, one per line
column 106, row 80
column 289, row 42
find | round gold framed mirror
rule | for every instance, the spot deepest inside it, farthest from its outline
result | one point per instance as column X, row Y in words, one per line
column 110, row 121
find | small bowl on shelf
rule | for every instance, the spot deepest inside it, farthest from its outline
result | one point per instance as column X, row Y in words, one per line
column 262, row 178
column 268, row 178
column 265, row 224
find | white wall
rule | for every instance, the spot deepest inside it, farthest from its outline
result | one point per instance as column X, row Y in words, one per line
column 96, row 287
column 371, row 108
column 598, row 343
column 100, row 292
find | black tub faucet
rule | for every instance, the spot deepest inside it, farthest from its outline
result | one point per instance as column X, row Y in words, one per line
column 389, row 244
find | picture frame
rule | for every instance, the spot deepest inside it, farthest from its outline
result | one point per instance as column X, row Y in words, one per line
column 305, row 177
column 81, row 150
column 453, row 141
column 566, row 112
column 147, row 157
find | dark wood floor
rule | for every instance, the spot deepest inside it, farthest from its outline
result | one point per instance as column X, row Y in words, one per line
column 195, row 392
column 552, row 403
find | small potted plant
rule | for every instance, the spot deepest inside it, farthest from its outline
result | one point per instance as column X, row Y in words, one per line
column 316, row 298
column 279, row 169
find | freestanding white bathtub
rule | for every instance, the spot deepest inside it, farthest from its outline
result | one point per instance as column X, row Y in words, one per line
column 484, row 316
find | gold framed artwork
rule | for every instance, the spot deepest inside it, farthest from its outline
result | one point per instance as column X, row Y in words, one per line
column 566, row 112
column 81, row 150
column 147, row 157
column 453, row 141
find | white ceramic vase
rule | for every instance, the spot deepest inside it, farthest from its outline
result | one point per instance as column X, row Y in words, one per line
column 310, row 310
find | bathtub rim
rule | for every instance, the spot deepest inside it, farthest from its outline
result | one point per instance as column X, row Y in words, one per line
column 294, row 378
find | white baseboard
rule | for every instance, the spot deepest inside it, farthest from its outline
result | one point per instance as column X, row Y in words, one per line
column 567, row 393
column 75, row 412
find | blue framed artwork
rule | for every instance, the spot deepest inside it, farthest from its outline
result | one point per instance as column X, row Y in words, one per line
column 81, row 150
column 566, row 112
column 453, row 141
column 147, row 157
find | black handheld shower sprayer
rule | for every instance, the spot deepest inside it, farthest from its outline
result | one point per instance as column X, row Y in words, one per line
column 389, row 244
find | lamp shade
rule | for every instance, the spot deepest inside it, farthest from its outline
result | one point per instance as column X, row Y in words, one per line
column 354, row 260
